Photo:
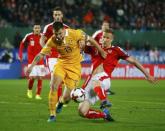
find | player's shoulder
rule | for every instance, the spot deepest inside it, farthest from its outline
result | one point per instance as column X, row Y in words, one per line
column 49, row 25
column 96, row 33
column 73, row 31
column 119, row 49
column 65, row 26
column 115, row 47
column 29, row 34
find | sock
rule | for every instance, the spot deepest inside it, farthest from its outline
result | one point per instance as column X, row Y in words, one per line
column 59, row 91
column 94, row 114
column 39, row 87
column 53, row 99
column 100, row 93
column 30, row 84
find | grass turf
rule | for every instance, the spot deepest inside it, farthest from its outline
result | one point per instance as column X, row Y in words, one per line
column 137, row 106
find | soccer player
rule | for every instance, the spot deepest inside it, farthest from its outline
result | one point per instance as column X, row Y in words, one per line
column 68, row 68
column 102, row 69
column 32, row 40
column 47, row 33
column 98, row 37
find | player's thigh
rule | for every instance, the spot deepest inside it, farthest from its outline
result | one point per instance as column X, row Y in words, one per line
column 90, row 94
column 84, row 107
column 72, row 78
column 55, row 81
column 72, row 83
column 106, row 84
column 59, row 71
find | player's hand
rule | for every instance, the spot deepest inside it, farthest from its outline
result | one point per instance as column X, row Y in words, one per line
column 103, row 54
column 151, row 79
column 28, row 70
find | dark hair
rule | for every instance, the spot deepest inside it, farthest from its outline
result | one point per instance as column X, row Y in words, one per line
column 57, row 26
column 37, row 22
column 57, row 8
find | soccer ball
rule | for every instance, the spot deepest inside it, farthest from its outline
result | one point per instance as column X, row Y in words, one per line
column 78, row 95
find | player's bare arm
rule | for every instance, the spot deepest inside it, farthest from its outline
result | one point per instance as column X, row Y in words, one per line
column 35, row 61
column 42, row 40
column 136, row 63
column 94, row 43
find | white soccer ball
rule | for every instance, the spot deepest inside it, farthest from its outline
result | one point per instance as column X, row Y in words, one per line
column 78, row 95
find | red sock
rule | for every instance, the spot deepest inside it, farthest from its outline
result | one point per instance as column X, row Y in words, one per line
column 94, row 114
column 39, row 87
column 100, row 92
column 30, row 84
column 59, row 92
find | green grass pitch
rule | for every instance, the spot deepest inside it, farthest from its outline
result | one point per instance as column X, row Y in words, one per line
column 137, row 106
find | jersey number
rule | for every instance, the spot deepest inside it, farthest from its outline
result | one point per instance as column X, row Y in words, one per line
column 68, row 50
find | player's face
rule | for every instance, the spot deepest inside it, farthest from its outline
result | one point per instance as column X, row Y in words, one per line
column 107, row 39
column 37, row 29
column 60, row 34
column 105, row 26
column 57, row 15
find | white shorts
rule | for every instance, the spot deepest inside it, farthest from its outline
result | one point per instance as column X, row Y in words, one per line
column 105, row 84
column 38, row 70
column 51, row 63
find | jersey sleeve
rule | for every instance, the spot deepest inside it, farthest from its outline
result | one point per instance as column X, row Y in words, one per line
column 122, row 53
column 46, row 50
column 80, row 35
column 21, row 47
column 46, row 31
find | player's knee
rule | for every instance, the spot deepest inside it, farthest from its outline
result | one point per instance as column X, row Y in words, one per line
column 83, row 109
column 80, row 111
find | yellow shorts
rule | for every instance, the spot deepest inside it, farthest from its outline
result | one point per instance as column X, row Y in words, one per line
column 70, row 74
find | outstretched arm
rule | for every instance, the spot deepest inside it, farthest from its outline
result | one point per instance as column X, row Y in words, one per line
column 35, row 61
column 136, row 63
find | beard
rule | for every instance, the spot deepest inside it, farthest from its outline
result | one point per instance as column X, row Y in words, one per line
column 58, row 41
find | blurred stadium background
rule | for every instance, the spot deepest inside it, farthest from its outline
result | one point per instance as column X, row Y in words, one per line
column 139, row 28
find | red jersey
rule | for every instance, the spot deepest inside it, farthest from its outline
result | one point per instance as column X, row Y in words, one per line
column 114, row 54
column 33, row 47
column 98, row 36
column 48, row 32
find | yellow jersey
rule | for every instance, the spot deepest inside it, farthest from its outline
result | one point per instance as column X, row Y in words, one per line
column 69, row 50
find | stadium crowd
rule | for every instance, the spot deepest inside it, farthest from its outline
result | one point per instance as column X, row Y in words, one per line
column 122, row 14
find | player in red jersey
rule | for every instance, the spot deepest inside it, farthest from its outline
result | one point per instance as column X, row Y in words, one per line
column 47, row 33
column 32, row 40
column 98, row 37
column 102, row 69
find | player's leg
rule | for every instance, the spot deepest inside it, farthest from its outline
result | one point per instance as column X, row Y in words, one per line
column 39, row 88
column 51, row 63
column 56, row 79
column 99, row 90
column 53, row 96
column 107, row 86
column 64, row 99
column 30, row 86
column 31, row 79
column 41, row 71
column 86, row 111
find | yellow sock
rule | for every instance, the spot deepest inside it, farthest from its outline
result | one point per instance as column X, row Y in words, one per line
column 53, row 99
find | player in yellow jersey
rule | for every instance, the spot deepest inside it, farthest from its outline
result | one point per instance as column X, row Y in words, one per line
column 68, row 67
